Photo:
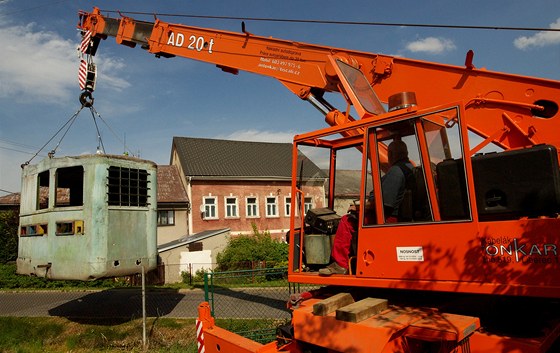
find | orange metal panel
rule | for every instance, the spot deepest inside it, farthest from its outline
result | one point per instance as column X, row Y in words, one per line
column 513, row 100
column 370, row 335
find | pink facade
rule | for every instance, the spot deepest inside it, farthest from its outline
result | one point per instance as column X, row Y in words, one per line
column 274, row 218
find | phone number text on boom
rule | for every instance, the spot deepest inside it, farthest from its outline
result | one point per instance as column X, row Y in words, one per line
column 285, row 66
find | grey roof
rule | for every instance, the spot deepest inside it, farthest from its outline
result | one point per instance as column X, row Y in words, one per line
column 10, row 199
column 347, row 182
column 189, row 239
column 244, row 159
column 170, row 188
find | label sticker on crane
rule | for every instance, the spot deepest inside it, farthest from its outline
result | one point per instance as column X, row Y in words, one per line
column 410, row 253
column 197, row 43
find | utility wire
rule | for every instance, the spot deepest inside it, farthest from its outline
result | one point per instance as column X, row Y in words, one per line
column 351, row 23
column 18, row 144
column 69, row 123
column 28, row 9
column 15, row 150
column 110, row 129
column 100, row 147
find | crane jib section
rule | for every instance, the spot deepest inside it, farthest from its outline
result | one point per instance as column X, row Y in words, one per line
column 522, row 109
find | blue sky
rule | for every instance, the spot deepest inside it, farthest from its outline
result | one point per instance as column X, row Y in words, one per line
column 143, row 101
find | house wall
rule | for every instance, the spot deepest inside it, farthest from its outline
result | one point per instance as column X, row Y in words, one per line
column 180, row 259
column 277, row 225
column 171, row 261
column 168, row 233
column 215, row 244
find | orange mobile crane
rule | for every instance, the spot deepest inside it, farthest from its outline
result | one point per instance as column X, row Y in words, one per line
column 475, row 268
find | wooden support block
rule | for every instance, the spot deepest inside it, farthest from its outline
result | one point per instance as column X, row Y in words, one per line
column 327, row 306
column 361, row 310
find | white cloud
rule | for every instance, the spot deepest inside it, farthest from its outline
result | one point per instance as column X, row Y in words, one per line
column 540, row 39
column 431, row 45
column 111, row 65
column 41, row 66
column 259, row 136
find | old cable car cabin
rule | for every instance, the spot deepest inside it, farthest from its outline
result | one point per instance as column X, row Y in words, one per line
column 87, row 217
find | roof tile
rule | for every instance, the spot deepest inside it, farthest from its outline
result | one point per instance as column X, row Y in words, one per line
column 226, row 158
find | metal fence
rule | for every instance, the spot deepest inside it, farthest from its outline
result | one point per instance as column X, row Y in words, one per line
column 251, row 303
column 255, row 298
column 258, row 298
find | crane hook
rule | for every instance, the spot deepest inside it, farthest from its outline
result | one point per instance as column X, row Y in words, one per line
column 86, row 99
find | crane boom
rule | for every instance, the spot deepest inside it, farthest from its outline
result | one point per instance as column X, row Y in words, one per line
column 523, row 106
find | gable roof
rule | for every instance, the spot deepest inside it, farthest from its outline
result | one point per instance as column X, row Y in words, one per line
column 347, row 183
column 170, row 188
column 203, row 157
column 10, row 200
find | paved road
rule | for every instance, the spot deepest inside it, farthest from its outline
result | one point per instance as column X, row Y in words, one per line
column 127, row 303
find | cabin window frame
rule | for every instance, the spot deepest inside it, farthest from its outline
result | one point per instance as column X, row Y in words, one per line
column 128, row 187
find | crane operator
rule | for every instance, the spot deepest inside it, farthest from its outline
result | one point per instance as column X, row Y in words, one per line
column 393, row 188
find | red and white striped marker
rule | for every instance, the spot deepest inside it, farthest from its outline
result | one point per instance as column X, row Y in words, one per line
column 86, row 39
column 199, row 336
column 82, row 74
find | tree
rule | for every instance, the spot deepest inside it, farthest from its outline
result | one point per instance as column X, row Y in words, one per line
column 244, row 249
column 9, row 222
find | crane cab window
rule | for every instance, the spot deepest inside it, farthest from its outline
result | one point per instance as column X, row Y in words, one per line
column 443, row 138
column 428, row 157
column 399, row 169
column 359, row 89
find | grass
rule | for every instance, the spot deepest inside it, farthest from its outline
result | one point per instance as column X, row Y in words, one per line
column 55, row 334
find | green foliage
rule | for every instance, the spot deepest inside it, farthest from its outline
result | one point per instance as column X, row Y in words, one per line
column 9, row 222
column 32, row 333
column 198, row 276
column 186, row 277
column 260, row 330
column 10, row 280
column 52, row 334
column 247, row 249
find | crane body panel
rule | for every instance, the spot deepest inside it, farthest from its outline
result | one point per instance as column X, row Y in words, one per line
column 480, row 242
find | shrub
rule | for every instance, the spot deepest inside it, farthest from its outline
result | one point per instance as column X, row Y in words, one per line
column 257, row 247
column 9, row 222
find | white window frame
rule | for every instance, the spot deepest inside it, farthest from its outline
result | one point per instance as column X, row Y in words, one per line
column 231, row 209
column 169, row 221
column 272, row 208
column 252, row 209
column 287, row 205
column 209, row 207
column 307, row 203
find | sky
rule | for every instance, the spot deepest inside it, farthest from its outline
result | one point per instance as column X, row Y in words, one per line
column 142, row 102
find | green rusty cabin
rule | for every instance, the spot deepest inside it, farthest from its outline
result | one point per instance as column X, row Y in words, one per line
column 88, row 217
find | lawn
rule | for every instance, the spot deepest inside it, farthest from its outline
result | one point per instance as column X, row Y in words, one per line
column 55, row 334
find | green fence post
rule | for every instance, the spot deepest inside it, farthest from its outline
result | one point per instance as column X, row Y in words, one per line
column 209, row 290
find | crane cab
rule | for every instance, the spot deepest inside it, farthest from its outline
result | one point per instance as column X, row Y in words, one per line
column 479, row 222
column 87, row 217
